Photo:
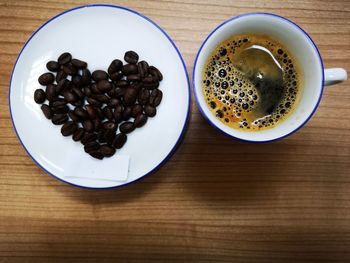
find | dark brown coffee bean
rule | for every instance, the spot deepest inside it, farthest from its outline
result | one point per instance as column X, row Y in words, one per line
column 116, row 76
column 99, row 113
column 118, row 92
column 94, row 102
column 127, row 113
column 88, row 126
column 62, row 85
column 98, row 75
column 91, row 111
column 86, row 76
column 108, row 125
column 136, row 110
column 152, row 85
column 73, row 116
column 87, row 91
column 129, row 69
column 155, row 73
column 156, row 97
column 96, row 155
column 94, row 89
column 150, row 111
column 107, row 150
column 46, row 79
column 115, row 66
column 109, row 136
column 130, row 96
column 68, row 128
column 64, row 58
column 81, row 113
column 122, row 83
column 133, row 77
column 88, row 137
column 60, row 76
column 78, row 103
column 143, row 97
column 77, row 91
column 59, row 119
column 53, row 66
column 119, row 140
column 107, row 112
column 143, row 68
column 51, row 92
column 101, row 137
column 77, row 80
column 78, row 134
column 91, row 146
column 97, row 124
column 136, row 85
column 100, row 97
column 69, row 96
column 140, row 120
column 131, row 57
column 117, row 114
column 47, row 111
column 126, row 127
column 39, row 96
column 78, row 63
column 104, row 86
column 148, row 79
column 60, row 109
column 69, row 69
column 113, row 102
column 58, row 102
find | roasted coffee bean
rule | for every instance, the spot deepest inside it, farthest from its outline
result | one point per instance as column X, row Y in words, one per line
column 88, row 137
column 96, row 155
column 50, row 92
column 39, row 96
column 108, row 125
column 69, row 96
column 143, row 68
column 69, row 69
column 101, row 137
column 107, row 150
column 77, row 91
column 99, row 113
column 98, row 75
column 119, row 140
column 97, row 124
column 113, row 102
column 59, row 119
column 91, row 111
column 62, row 85
column 46, row 79
column 136, row 110
column 86, row 76
column 81, row 113
column 126, row 127
column 78, row 63
column 60, row 109
column 60, row 76
column 100, row 97
column 143, row 97
column 109, row 136
column 47, row 111
column 136, row 85
column 78, row 103
column 156, row 97
column 133, row 77
column 151, row 85
column 68, row 128
column 117, row 114
column 150, row 111
column 91, row 146
column 78, row 134
column 94, row 89
column 155, row 73
column 107, row 112
column 73, row 116
column 94, row 102
column 87, row 91
column 58, row 102
column 53, row 66
column 140, row 120
column 131, row 57
column 118, row 92
column 130, row 96
column 148, row 79
column 122, row 83
column 116, row 76
column 129, row 69
column 115, row 66
column 88, row 126
column 104, row 86
column 64, row 58
column 77, row 80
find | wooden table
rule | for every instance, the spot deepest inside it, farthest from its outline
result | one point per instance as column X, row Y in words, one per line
column 216, row 199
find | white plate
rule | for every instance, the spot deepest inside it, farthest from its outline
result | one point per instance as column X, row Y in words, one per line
column 98, row 34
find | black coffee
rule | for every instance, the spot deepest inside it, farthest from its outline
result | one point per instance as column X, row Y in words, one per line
column 251, row 82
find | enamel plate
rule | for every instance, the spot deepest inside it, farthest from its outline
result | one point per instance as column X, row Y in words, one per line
column 98, row 34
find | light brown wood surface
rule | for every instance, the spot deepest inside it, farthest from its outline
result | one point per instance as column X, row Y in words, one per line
column 216, row 199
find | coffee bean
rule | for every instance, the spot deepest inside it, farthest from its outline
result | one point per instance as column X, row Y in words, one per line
column 143, row 68
column 143, row 97
column 69, row 69
column 97, row 155
column 86, row 76
column 151, row 85
column 101, row 137
column 60, row 109
column 78, row 63
column 109, row 136
column 78, row 103
column 46, row 79
column 148, row 79
column 129, row 69
column 91, row 146
column 39, row 96
column 59, row 119
column 126, row 127
column 110, row 126
column 118, row 92
column 91, row 111
column 94, row 102
column 113, row 102
column 155, row 73
column 99, row 113
column 136, row 110
column 68, row 128
column 131, row 57
column 78, row 134
column 107, row 150
column 100, row 97
column 81, row 113
column 58, row 102
column 77, row 91
column 64, row 58
column 136, row 85
column 94, row 89
column 47, row 111
column 117, row 114
column 77, row 80
column 87, row 91
column 119, row 140
column 130, row 96
column 73, row 116
column 107, row 112
column 62, row 85
column 115, row 66
column 122, row 83
column 69, row 96
column 116, row 76
column 53, row 66
column 133, row 77
column 97, row 124
column 150, row 111
column 156, row 97
column 98, row 75
column 88, row 126
column 60, row 76
column 104, row 86
column 140, row 120
column 88, row 137
column 127, row 113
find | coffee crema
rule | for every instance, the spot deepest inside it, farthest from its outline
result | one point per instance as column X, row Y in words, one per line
column 251, row 82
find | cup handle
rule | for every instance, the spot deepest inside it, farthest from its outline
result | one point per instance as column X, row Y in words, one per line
column 334, row 75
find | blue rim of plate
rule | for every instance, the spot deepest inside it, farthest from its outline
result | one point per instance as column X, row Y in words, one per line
column 188, row 86
column 281, row 18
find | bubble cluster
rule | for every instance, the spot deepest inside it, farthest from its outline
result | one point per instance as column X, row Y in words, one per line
column 237, row 98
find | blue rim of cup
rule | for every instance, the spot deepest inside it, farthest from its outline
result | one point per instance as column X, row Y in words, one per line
column 188, row 85
column 252, row 14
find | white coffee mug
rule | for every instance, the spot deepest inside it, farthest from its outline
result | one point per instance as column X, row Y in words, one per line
column 298, row 42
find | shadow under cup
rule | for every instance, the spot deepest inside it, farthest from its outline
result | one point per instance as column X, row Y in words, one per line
column 299, row 44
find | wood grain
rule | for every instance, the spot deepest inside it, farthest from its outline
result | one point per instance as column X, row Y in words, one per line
column 216, row 199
